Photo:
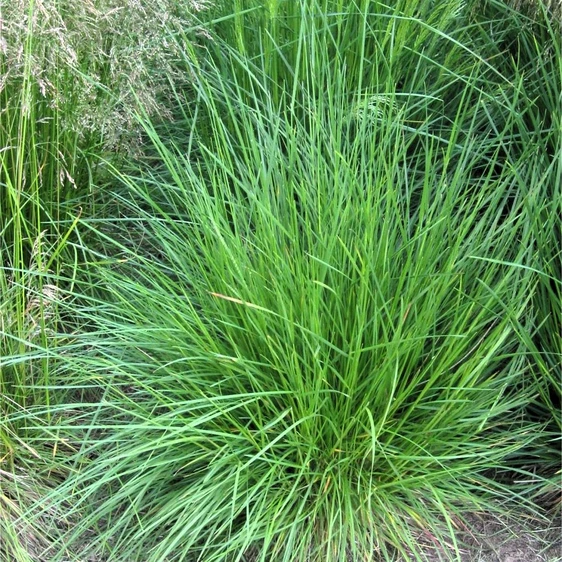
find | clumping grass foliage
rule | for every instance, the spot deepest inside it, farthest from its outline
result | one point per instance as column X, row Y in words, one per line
column 314, row 353
column 315, row 316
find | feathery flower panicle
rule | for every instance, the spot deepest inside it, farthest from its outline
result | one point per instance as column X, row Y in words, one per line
column 95, row 60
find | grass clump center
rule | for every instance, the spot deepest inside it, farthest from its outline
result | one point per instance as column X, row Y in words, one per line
column 317, row 356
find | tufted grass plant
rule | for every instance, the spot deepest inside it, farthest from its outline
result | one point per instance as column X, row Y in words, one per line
column 305, row 328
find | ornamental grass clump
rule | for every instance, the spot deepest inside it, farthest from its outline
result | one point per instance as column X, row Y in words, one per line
column 303, row 336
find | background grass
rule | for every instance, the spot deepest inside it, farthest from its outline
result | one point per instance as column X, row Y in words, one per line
column 65, row 76
column 315, row 309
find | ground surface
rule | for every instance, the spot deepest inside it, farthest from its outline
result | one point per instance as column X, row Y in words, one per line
column 487, row 538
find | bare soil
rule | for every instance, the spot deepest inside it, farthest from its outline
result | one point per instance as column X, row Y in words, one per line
column 488, row 538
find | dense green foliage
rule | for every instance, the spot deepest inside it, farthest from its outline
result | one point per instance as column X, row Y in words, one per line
column 308, row 307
